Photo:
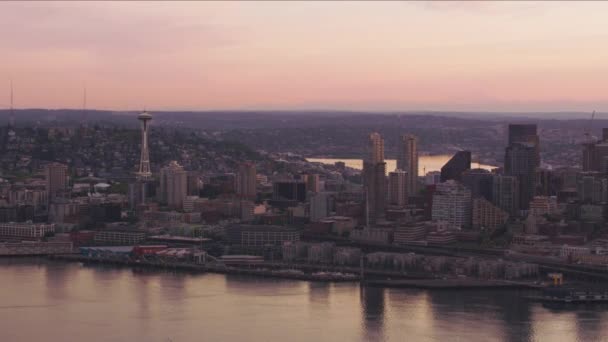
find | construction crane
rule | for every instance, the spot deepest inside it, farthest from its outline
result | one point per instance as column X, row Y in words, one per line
column 588, row 136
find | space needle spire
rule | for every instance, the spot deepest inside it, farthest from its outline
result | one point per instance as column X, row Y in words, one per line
column 144, row 172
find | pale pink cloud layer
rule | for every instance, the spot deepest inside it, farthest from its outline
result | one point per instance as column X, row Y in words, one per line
column 295, row 55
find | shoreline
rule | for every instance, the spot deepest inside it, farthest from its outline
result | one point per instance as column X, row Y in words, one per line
column 207, row 268
column 292, row 273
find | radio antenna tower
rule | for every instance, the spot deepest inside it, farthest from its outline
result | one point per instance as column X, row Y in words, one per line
column 11, row 118
column 84, row 108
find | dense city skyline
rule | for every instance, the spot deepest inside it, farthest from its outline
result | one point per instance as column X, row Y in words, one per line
column 261, row 171
column 472, row 56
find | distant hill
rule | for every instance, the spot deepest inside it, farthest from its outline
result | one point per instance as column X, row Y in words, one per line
column 276, row 119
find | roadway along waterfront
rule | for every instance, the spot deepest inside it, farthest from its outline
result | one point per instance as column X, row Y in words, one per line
column 549, row 264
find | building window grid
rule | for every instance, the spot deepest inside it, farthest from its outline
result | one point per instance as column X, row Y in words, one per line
column 263, row 238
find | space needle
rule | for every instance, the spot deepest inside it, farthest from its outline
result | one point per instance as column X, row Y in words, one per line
column 144, row 173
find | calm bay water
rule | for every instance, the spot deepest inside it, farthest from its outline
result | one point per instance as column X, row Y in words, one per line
column 53, row 301
column 425, row 163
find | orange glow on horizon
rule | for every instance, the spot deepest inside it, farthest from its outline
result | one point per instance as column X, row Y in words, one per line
column 496, row 56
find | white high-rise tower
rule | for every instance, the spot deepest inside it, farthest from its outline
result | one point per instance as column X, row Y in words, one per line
column 407, row 160
column 375, row 148
column 144, row 173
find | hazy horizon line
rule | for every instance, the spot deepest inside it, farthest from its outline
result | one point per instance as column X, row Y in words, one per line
column 353, row 111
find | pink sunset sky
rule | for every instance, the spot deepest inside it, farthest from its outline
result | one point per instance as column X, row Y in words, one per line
column 476, row 56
